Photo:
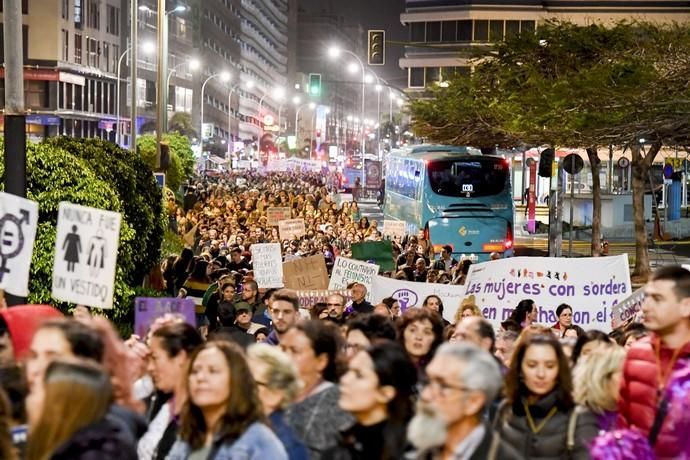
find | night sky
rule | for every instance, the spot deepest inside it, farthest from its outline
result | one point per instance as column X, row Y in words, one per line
column 371, row 14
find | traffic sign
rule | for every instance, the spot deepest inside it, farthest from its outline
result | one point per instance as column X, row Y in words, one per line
column 623, row 162
column 573, row 163
column 85, row 255
column 18, row 222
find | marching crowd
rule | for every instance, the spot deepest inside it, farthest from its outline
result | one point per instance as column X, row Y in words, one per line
column 262, row 377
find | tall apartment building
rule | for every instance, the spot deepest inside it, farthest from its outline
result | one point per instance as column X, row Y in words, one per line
column 439, row 30
column 71, row 50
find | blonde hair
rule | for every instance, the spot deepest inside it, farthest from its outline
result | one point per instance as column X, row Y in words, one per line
column 466, row 306
column 281, row 373
column 592, row 375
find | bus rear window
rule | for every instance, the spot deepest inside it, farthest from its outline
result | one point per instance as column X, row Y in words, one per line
column 471, row 177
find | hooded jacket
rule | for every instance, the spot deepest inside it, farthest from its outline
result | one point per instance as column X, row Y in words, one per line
column 22, row 321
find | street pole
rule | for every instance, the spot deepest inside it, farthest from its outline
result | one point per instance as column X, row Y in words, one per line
column 117, row 96
column 378, row 121
column 15, row 113
column 572, row 204
column 162, row 112
column 134, row 34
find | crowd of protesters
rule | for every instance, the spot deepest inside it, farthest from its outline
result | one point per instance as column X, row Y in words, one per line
column 261, row 377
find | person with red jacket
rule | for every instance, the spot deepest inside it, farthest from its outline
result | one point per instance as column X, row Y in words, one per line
column 652, row 363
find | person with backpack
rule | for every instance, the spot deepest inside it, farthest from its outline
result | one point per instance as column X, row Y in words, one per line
column 655, row 363
column 537, row 418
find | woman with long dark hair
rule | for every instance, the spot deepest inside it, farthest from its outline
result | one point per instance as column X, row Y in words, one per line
column 420, row 332
column 522, row 316
column 377, row 390
column 316, row 349
column 223, row 417
column 535, row 416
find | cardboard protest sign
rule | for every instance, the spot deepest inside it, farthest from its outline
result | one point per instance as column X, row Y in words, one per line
column 380, row 252
column 18, row 222
column 276, row 214
column 592, row 286
column 291, row 229
column 628, row 308
column 346, row 271
column 306, row 273
column 394, row 228
column 85, row 255
column 147, row 309
column 267, row 263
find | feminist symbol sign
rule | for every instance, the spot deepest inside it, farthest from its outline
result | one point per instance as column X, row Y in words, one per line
column 18, row 221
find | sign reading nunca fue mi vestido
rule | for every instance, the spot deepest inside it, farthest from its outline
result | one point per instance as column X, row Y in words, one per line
column 85, row 255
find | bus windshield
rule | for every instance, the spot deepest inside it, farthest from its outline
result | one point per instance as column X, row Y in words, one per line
column 472, row 177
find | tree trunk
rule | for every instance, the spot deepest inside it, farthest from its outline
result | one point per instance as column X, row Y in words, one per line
column 640, row 172
column 595, row 165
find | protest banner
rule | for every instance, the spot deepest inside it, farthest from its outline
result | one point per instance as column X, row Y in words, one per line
column 411, row 294
column 592, row 286
column 346, row 271
column 308, row 298
column 18, row 227
column 630, row 308
column 379, row 252
column 277, row 165
column 307, row 273
column 85, row 255
column 393, row 228
column 276, row 214
column 267, row 263
column 147, row 309
column 291, row 228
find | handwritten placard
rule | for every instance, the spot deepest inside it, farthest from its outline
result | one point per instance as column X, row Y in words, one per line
column 306, row 274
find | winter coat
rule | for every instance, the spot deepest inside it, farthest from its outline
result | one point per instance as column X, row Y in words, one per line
column 492, row 447
column 551, row 443
column 101, row 440
column 638, row 401
column 318, row 420
column 257, row 443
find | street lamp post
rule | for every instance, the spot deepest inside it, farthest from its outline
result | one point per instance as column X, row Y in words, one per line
column 193, row 65
column 312, row 106
column 147, row 48
column 334, row 52
column 224, row 76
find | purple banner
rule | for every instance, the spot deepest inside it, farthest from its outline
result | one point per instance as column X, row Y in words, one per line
column 147, row 309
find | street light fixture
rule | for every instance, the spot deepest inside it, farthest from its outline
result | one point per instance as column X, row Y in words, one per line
column 177, row 9
column 334, row 52
column 193, row 64
column 224, row 77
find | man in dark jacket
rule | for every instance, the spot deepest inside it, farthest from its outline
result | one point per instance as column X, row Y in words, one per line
column 462, row 380
column 652, row 363
column 359, row 302
column 228, row 330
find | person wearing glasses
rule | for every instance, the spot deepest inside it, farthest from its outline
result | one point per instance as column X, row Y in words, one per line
column 564, row 313
column 365, row 330
column 461, row 380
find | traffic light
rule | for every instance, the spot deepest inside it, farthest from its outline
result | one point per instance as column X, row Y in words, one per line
column 376, row 49
column 545, row 161
column 318, row 133
column 315, row 84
